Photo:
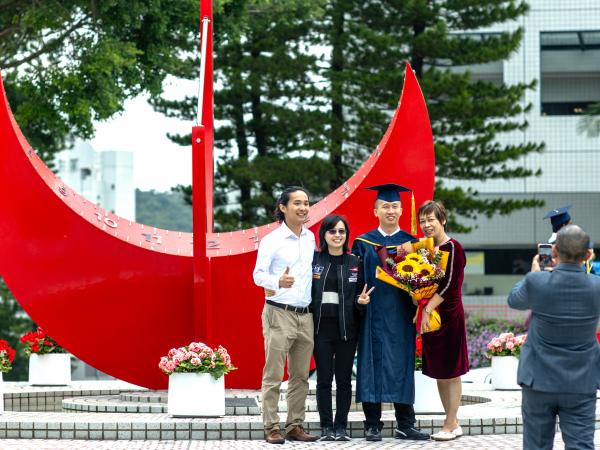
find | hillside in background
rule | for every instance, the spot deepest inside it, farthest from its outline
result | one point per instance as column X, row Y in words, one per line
column 165, row 210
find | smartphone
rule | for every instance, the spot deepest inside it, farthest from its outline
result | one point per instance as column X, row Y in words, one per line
column 545, row 252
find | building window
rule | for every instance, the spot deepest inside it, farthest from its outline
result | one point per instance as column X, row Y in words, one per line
column 569, row 71
column 73, row 164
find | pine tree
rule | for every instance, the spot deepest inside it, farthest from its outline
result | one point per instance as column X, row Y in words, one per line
column 376, row 38
column 270, row 129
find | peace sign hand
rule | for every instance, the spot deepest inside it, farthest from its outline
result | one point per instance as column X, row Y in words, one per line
column 364, row 298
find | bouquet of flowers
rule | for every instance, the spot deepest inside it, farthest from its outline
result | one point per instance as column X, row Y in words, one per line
column 39, row 342
column 418, row 272
column 7, row 356
column 507, row 344
column 418, row 353
column 197, row 357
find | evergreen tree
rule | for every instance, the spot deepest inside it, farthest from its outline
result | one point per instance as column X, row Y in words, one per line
column 270, row 120
column 371, row 40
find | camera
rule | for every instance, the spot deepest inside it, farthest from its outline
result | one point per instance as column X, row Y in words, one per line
column 545, row 255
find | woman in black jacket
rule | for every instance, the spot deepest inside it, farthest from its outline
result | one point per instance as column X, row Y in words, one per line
column 337, row 292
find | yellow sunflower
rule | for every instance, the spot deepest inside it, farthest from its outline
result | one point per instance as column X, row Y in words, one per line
column 426, row 270
column 407, row 267
column 414, row 257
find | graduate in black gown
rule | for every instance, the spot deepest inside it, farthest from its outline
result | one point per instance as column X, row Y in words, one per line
column 386, row 343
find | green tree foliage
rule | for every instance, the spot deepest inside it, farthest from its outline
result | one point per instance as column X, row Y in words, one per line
column 267, row 105
column 466, row 116
column 589, row 124
column 67, row 63
column 275, row 96
column 14, row 322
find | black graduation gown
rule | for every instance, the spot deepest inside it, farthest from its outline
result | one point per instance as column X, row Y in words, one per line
column 386, row 343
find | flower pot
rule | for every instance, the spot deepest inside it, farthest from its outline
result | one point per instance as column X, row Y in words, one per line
column 504, row 372
column 196, row 395
column 51, row 369
column 427, row 397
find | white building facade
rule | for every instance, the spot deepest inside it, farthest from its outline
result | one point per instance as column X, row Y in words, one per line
column 104, row 178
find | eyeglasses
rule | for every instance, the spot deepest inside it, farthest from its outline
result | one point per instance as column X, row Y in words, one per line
column 333, row 232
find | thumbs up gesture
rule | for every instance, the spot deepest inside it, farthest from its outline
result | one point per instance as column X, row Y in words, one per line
column 286, row 280
column 364, row 298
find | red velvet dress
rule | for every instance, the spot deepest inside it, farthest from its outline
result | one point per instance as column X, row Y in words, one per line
column 445, row 353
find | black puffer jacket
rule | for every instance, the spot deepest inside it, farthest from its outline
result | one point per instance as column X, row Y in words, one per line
column 350, row 284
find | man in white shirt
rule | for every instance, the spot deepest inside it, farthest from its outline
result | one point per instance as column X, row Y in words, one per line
column 284, row 265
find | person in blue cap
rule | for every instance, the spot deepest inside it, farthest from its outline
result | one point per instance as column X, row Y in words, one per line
column 558, row 218
column 386, row 343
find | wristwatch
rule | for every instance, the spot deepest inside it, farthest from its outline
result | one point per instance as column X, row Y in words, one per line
column 428, row 309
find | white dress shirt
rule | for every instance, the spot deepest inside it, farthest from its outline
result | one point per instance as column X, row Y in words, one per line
column 279, row 249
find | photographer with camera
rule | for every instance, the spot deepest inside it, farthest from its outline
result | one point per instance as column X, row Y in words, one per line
column 559, row 366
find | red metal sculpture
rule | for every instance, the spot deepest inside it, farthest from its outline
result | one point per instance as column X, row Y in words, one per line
column 118, row 294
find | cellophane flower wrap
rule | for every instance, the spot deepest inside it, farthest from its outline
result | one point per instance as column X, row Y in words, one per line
column 507, row 344
column 417, row 272
column 7, row 356
column 197, row 358
column 40, row 343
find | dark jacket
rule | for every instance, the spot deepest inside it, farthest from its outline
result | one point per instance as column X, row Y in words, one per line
column 350, row 283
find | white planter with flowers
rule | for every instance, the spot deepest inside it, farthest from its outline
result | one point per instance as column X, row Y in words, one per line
column 196, row 380
column 50, row 369
column 504, row 372
column 504, row 351
column 48, row 364
column 196, row 395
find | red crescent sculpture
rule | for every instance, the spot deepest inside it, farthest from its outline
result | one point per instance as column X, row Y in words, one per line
column 119, row 294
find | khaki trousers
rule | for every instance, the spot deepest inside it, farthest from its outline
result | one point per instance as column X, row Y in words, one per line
column 287, row 334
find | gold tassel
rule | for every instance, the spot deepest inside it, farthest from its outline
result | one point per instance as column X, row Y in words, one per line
column 413, row 216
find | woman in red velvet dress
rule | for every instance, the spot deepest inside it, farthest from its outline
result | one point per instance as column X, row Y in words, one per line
column 445, row 355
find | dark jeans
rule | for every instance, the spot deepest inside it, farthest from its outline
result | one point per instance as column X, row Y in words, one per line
column 333, row 355
column 575, row 411
column 405, row 415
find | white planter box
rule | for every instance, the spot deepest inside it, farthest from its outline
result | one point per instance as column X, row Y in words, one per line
column 504, row 372
column 196, row 395
column 427, row 397
column 52, row 369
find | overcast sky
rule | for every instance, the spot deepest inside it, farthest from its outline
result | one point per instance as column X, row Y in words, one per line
column 158, row 163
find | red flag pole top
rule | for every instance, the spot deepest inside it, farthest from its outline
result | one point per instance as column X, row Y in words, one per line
column 202, row 180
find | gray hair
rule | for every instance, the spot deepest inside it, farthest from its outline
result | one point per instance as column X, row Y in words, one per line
column 572, row 244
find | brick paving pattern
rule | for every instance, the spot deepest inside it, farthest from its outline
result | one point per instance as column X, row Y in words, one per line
column 484, row 442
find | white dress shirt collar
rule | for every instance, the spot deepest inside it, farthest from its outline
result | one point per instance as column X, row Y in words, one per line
column 286, row 231
column 384, row 234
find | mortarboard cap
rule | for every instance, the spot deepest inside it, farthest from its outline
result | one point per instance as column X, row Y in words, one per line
column 389, row 192
column 559, row 217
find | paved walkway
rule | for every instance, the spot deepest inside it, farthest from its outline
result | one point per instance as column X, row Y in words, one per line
column 486, row 442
